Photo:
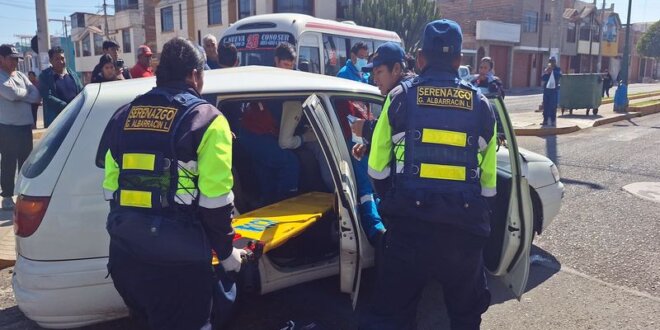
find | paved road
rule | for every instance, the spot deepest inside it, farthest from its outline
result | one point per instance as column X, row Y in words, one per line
column 531, row 102
column 596, row 267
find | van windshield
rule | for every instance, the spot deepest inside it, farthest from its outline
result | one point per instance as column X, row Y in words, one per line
column 258, row 48
column 44, row 152
column 257, row 57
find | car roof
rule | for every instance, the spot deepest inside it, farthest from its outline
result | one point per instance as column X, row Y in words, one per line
column 256, row 79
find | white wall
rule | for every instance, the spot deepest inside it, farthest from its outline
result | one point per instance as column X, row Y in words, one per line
column 325, row 9
column 201, row 19
column 179, row 30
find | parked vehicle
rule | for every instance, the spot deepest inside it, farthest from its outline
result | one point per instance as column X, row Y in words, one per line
column 322, row 45
column 60, row 279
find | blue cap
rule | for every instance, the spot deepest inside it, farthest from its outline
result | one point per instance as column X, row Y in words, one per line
column 442, row 37
column 387, row 53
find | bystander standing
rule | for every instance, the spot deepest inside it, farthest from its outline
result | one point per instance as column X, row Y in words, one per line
column 58, row 85
column 109, row 71
column 487, row 79
column 142, row 68
column 550, row 78
column 227, row 55
column 211, row 50
column 16, row 96
column 35, row 106
column 353, row 68
column 110, row 48
column 607, row 82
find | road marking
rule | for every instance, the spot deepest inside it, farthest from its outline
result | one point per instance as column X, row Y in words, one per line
column 543, row 262
column 645, row 190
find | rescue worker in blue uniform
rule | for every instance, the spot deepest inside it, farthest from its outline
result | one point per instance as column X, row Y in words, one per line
column 167, row 159
column 371, row 220
column 433, row 162
column 388, row 69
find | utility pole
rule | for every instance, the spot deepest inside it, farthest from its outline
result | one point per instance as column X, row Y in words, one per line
column 42, row 32
column 600, row 45
column 65, row 24
column 105, row 16
column 621, row 96
column 591, row 36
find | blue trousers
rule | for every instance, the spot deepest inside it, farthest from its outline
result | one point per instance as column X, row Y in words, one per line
column 277, row 169
column 550, row 101
column 416, row 251
column 371, row 220
column 166, row 297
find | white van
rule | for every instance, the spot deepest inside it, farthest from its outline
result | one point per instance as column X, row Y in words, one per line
column 322, row 45
column 60, row 278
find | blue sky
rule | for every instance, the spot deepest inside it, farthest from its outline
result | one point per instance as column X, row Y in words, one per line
column 18, row 17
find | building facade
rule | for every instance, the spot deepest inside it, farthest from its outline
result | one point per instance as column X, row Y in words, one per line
column 521, row 35
column 642, row 69
column 132, row 25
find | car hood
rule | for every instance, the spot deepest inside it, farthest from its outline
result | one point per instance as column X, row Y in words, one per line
column 532, row 157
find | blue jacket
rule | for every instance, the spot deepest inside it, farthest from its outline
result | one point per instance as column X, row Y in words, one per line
column 52, row 104
column 350, row 72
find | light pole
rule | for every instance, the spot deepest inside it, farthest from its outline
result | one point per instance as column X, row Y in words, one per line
column 621, row 96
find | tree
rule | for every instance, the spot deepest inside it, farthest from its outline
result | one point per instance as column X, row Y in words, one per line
column 649, row 44
column 406, row 18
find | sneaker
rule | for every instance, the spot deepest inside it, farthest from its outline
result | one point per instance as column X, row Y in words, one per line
column 8, row 203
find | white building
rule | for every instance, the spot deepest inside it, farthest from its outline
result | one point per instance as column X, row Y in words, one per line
column 193, row 19
column 132, row 25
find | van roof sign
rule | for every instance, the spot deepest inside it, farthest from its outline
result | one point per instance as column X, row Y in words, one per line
column 259, row 40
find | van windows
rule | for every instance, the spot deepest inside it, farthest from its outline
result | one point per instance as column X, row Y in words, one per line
column 43, row 154
column 335, row 53
column 309, row 59
column 257, row 48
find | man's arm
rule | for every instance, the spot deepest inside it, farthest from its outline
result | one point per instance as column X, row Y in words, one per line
column 46, row 92
column 11, row 92
column 382, row 149
column 214, row 160
column 33, row 95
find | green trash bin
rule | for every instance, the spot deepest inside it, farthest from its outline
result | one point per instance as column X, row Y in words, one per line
column 581, row 91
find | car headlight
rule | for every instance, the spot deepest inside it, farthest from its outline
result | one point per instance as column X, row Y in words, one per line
column 555, row 172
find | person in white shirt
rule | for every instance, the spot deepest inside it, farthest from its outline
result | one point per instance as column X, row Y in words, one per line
column 16, row 97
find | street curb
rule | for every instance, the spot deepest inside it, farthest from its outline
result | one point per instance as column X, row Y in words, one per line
column 634, row 97
column 605, row 121
column 546, row 131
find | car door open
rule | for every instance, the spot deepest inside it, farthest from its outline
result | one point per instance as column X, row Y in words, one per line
column 514, row 233
column 342, row 175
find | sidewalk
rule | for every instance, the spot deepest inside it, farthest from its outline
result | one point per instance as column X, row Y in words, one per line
column 7, row 243
column 528, row 123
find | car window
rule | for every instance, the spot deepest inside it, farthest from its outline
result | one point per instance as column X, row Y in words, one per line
column 348, row 108
column 43, row 154
column 335, row 53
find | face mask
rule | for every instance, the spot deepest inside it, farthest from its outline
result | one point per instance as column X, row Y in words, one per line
column 361, row 63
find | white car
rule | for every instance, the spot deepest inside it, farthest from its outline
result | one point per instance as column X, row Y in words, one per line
column 60, row 278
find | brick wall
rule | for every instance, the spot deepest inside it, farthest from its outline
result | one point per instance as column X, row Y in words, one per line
column 467, row 13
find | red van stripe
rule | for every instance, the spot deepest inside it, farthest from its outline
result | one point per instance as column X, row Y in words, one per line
column 389, row 35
